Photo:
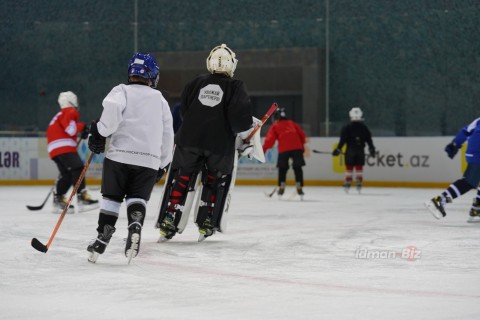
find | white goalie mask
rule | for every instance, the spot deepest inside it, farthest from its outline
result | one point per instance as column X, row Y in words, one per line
column 222, row 60
column 356, row 114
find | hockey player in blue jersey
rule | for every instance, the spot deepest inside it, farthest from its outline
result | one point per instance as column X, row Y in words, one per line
column 471, row 176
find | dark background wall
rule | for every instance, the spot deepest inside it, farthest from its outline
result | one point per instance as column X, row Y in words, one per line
column 411, row 65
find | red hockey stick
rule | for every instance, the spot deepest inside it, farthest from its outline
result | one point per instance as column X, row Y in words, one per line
column 35, row 242
column 267, row 115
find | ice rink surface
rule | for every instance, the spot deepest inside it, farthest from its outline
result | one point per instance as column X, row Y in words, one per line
column 378, row 255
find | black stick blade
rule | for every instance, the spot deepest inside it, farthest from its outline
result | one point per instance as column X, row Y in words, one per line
column 34, row 208
column 39, row 246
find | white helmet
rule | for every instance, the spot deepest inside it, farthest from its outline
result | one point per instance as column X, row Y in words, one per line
column 67, row 99
column 222, row 60
column 356, row 114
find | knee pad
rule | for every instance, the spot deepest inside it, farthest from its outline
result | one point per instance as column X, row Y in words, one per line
column 110, row 207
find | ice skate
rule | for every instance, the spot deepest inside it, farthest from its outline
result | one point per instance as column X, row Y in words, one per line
column 59, row 203
column 98, row 246
column 358, row 185
column 475, row 211
column 346, row 186
column 133, row 240
column 167, row 228
column 436, row 206
column 300, row 191
column 206, row 230
column 281, row 190
column 85, row 202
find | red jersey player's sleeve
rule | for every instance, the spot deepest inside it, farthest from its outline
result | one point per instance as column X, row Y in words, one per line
column 301, row 134
column 69, row 121
column 270, row 138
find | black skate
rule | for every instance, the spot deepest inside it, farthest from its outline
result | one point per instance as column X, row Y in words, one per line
column 281, row 190
column 437, row 206
column 133, row 240
column 358, row 185
column 98, row 246
column 300, row 191
column 167, row 228
column 206, row 230
column 346, row 186
column 475, row 211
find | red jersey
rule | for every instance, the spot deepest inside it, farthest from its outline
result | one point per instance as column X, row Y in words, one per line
column 290, row 136
column 62, row 132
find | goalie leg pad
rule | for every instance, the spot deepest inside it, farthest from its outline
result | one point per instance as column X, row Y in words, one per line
column 175, row 196
column 215, row 186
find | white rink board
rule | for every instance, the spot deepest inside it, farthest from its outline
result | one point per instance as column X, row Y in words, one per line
column 412, row 159
column 404, row 159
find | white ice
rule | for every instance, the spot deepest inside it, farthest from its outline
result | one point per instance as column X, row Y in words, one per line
column 331, row 256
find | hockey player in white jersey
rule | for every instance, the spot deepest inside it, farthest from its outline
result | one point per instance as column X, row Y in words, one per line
column 139, row 121
column 215, row 108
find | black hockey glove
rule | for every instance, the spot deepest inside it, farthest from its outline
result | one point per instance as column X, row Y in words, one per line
column 85, row 132
column 96, row 142
column 451, row 149
column 160, row 173
column 336, row 152
column 372, row 152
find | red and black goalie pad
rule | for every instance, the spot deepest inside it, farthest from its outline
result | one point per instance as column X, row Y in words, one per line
column 177, row 186
column 213, row 197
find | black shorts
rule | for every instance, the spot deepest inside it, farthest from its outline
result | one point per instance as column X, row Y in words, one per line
column 120, row 180
column 295, row 155
column 192, row 160
column 67, row 162
column 355, row 158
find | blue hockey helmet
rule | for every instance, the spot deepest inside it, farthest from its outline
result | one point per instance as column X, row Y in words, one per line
column 144, row 65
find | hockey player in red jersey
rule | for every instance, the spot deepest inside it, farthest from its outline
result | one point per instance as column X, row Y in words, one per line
column 291, row 140
column 139, row 121
column 62, row 147
column 215, row 107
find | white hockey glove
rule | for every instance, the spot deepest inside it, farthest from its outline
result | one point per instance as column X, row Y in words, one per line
column 252, row 149
column 244, row 149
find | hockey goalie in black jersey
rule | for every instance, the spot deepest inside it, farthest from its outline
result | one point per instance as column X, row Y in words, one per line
column 215, row 108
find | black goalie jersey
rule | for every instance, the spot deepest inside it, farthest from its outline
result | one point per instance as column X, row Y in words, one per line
column 214, row 108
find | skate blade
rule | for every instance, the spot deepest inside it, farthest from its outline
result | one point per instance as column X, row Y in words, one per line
column 201, row 237
column 474, row 220
column 431, row 207
column 93, row 257
column 162, row 239
column 133, row 250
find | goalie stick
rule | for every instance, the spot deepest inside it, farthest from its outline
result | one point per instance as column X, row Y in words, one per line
column 35, row 242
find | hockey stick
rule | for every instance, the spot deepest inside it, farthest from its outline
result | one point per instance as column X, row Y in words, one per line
column 271, row 193
column 321, row 152
column 265, row 117
column 40, row 207
column 35, row 242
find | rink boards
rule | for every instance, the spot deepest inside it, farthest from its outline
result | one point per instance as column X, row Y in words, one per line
column 400, row 161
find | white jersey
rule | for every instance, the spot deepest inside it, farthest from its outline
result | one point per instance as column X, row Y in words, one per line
column 140, row 122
